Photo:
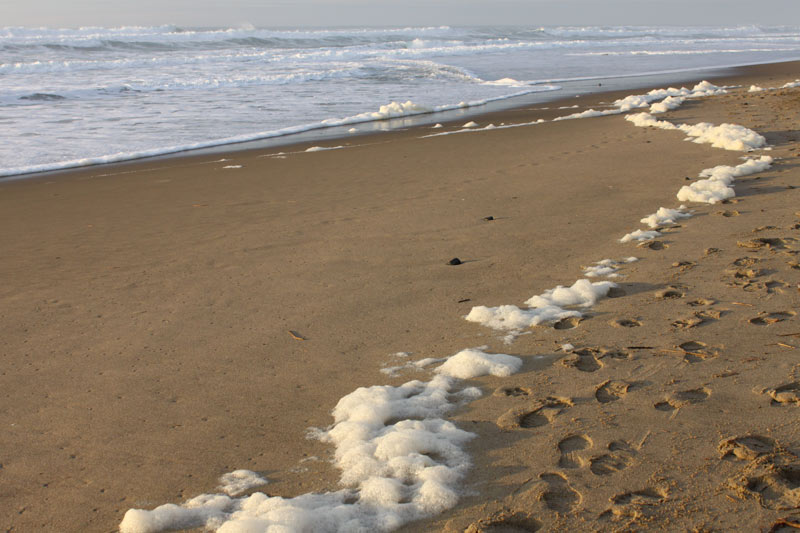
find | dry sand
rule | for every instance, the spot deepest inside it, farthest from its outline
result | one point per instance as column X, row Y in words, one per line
column 147, row 310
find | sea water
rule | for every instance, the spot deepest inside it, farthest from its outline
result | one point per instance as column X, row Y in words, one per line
column 72, row 97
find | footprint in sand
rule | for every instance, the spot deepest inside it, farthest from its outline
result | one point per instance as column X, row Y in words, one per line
column 635, row 504
column 692, row 395
column 775, row 286
column 505, row 522
column 765, row 319
column 670, row 293
column 788, row 394
column 787, row 524
column 683, row 398
column 512, row 391
column 696, row 351
column 728, row 213
column 568, row 323
column 559, row 496
column 540, row 414
column 683, row 266
column 625, row 323
column 701, row 302
column 697, row 319
column 570, row 447
column 747, row 448
column 746, row 261
column 743, row 277
column 611, row 391
column 770, row 243
column 619, row 457
column 665, row 405
column 652, row 245
column 583, row 361
column 771, row 479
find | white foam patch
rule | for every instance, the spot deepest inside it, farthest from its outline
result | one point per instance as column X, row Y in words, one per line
column 640, row 235
column 486, row 128
column 718, row 185
column 545, row 308
column 791, row 85
column 472, row 363
column 323, row 148
column 646, row 120
column 437, row 126
column 582, row 293
column 589, row 113
column 667, row 104
column 755, row 89
column 240, row 481
column 606, row 268
column 665, row 216
column 470, row 124
column 671, row 98
column 232, row 166
column 420, row 365
column 400, row 461
column 725, row 136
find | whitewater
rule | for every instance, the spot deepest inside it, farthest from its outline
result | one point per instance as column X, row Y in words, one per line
column 75, row 97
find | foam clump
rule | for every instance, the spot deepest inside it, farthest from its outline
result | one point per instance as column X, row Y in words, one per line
column 470, row 124
column 471, row 363
column 726, row 136
column 640, row 235
column 511, row 317
column 667, row 99
column 322, row 148
column 667, row 104
column 791, row 85
column 718, row 185
column 589, row 113
column 755, row 89
column 240, row 481
column 606, row 268
column 400, row 461
column 582, row 293
column 646, row 120
column 664, row 216
column 545, row 308
column 706, row 88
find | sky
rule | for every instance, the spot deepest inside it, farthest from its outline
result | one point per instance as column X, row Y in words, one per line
column 276, row 13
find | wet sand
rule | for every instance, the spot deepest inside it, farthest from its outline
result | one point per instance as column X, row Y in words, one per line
column 149, row 309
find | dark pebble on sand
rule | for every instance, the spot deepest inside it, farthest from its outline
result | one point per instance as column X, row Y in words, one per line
column 488, row 218
column 454, row 261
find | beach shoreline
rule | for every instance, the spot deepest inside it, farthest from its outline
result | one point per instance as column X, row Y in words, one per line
column 589, row 88
column 172, row 320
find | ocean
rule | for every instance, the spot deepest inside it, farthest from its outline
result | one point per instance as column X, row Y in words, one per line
column 75, row 97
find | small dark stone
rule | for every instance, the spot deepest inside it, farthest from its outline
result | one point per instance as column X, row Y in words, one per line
column 488, row 218
column 687, row 178
column 460, row 301
column 454, row 261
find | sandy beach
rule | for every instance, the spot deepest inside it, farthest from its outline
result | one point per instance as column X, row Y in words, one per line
column 168, row 321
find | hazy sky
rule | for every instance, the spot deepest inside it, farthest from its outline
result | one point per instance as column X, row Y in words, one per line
column 71, row 13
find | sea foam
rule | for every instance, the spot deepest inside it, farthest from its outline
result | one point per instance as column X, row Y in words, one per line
column 399, row 460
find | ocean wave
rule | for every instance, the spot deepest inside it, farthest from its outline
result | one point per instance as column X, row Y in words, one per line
column 393, row 110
